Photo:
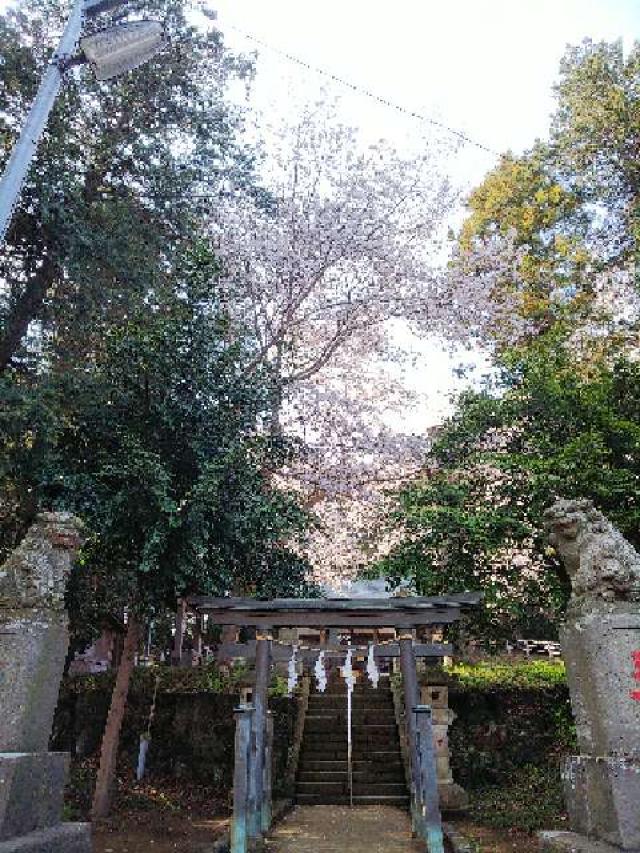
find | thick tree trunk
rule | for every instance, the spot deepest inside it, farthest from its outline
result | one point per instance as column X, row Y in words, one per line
column 111, row 736
column 24, row 311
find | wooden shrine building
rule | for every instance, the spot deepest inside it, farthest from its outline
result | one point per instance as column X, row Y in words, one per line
column 330, row 617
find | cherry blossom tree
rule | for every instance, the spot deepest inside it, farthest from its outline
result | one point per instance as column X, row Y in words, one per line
column 345, row 237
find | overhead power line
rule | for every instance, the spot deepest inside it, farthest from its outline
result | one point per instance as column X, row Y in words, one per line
column 362, row 91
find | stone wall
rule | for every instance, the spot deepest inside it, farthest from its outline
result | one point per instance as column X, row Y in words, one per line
column 192, row 734
column 495, row 731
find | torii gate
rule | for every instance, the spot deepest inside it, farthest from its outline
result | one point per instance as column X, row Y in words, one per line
column 252, row 794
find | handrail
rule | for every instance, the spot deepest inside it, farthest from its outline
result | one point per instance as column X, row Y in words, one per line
column 398, row 709
column 298, row 733
column 425, row 810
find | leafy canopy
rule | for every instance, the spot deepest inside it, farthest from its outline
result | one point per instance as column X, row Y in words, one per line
column 159, row 444
column 473, row 521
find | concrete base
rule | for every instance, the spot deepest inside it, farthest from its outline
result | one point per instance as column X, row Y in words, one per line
column 571, row 842
column 603, row 799
column 64, row 838
column 31, row 791
column 33, row 647
column 598, row 647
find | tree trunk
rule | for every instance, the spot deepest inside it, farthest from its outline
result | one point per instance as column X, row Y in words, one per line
column 111, row 736
column 24, row 311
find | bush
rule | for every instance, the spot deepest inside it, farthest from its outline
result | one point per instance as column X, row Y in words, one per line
column 532, row 674
column 531, row 801
column 509, row 715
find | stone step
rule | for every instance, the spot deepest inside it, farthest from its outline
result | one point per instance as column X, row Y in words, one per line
column 360, row 751
column 335, row 753
column 323, row 766
column 358, row 800
column 324, row 730
column 340, row 754
column 365, row 776
column 370, row 734
column 359, row 718
column 338, row 704
column 361, row 789
column 374, row 756
column 358, row 764
column 389, row 724
column 378, row 772
column 361, row 689
column 341, row 690
column 357, row 700
column 364, row 737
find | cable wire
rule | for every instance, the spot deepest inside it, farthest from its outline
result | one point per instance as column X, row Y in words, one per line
column 360, row 90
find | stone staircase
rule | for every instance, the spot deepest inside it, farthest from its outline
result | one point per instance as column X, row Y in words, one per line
column 378, row 773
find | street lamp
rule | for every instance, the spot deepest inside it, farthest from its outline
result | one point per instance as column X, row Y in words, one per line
column 111, row 52
column 119, row 49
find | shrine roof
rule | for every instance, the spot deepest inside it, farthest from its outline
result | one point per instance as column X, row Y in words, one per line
column 339, row 612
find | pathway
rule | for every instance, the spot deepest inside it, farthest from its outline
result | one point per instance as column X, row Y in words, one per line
column 338, row 829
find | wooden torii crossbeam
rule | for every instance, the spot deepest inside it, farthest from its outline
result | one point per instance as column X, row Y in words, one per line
column 252, row 807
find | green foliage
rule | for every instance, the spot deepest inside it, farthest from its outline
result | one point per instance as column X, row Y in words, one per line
column 508, row 719
column 279, row 686
column 533, row 674
column 595, row 135
column 160, row 444
column 122, row 179
column 525, row 199
column 207, row 678
column 570, row 204
column 474, row 520
column 531, row 800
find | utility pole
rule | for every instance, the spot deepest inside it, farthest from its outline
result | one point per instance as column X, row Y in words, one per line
column 64, row 56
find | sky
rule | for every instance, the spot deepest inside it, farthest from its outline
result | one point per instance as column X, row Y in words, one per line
column 485, row 68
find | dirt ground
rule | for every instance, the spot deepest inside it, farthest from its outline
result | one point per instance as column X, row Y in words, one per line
column 157, row 833
column 140, row 832
column 498, row 840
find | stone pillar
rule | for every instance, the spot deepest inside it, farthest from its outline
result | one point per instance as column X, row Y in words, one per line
column 453, row 798
column 601, row 644
column 33, row 647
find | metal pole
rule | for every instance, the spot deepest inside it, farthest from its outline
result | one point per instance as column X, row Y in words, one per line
column 429, row 805
column 349, row 745
column 244, row 716
column 347, row 674
column 256, row 781
column 25, row 148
